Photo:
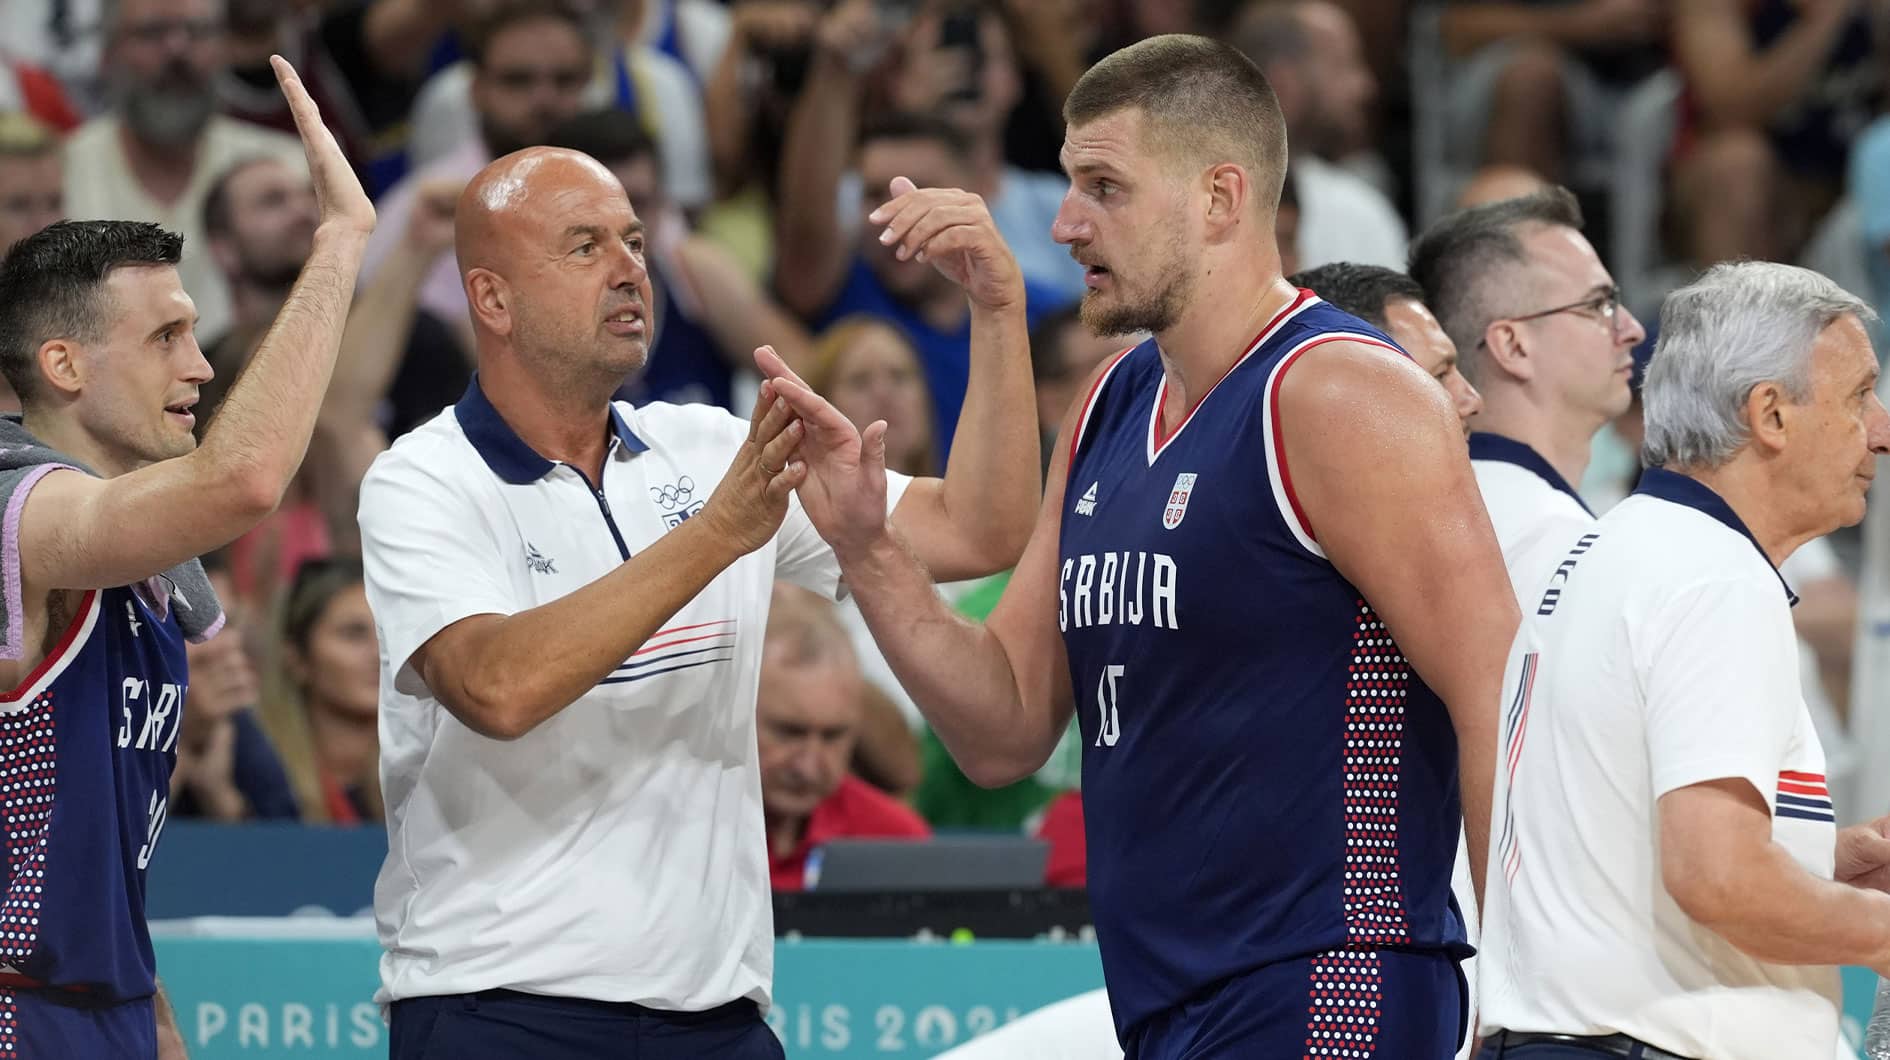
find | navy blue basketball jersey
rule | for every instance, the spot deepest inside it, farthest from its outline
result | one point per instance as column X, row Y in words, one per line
column 1264, row 776
column 87, row 744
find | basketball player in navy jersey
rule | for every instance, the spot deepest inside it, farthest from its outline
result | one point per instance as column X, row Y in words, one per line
column 107, row 500
column 1262, row 578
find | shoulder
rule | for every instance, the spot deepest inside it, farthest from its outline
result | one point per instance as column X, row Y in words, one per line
column 432, row 455
column 662, row 425
column 868, row 810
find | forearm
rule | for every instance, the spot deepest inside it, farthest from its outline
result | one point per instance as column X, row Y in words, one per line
column 726, row 111
column 374, row 340
column 1477, row 740
column 1774, row 911
column 991, row 485
column 529, row 666
column 957, row 671
column 170, row 1036
column 257, row 440
column 819, row 140
column 1751, row 92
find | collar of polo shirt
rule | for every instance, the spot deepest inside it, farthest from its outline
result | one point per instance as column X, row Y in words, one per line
column 1675, row 488
column 1487, row 446
column 504, row 451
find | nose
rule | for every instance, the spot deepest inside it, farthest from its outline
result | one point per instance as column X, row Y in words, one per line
column 1468, row 401
column 1877, row 427
column 1627, row 328
column 196, row 367
column 1070, row 228
column 631, row 269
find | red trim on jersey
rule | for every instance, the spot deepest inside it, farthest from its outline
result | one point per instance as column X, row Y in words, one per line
column 1162, row 436
column 52, row 657
column 21, row 982
column 1090, row 403
column 1279, row 436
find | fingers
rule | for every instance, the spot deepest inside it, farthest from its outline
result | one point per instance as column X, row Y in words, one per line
column 968, row 222
column 790, row 479
column 816, row 412
column 770, row 414
column 778, row 453
column 774, row 367
column 873, row 447
column 913, row 220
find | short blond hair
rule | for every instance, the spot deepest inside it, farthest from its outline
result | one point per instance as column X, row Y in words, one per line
column 1202, row 102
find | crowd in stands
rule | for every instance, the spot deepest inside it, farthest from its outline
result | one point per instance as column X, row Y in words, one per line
column 753, row 136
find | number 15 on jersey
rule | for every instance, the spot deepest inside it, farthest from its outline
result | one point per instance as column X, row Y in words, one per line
column 1108, row 722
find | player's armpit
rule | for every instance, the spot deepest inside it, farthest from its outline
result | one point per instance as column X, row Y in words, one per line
column 1378, row 464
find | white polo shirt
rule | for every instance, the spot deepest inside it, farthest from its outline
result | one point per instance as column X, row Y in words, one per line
column 1536, row 515
column 1660, row 654
column 616, row 852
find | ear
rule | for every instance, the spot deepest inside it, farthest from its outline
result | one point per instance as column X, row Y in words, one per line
column 62, row 367
column 1767, row 410
column 1503, row 345
column 491, row 300
column 1228, row 191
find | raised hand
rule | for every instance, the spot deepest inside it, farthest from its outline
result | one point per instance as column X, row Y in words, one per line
column 844, row 487
column 344, row 204
column 953, row 230
column 751, row 500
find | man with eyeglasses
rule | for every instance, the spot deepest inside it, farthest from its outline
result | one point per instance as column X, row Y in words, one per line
column 1543, row 336
column 154, row 155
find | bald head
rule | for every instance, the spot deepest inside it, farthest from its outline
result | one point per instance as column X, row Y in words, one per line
column 518, row 193
column 551, row 255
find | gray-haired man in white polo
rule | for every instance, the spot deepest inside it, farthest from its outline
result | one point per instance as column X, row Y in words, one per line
column 1666, row 877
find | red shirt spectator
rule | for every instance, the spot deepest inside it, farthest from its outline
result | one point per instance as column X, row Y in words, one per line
column 856, row 810
column 1062, row 828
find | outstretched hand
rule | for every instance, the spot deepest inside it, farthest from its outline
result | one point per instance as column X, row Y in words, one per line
column 338, row 191
column 844, row 493
column 751, row 500
column 954, row 231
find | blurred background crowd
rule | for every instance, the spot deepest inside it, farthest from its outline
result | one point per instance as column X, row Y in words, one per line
column 753, row 136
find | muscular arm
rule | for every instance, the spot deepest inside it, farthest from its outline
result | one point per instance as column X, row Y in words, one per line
column 1735, row 83
column 1379, row 466
column 998, row 694
column 1720, row 864
column 78, row 532
column 976, row 520
column 504, row 675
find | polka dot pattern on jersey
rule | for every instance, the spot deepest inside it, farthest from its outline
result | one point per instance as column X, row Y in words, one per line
column 1347, row 987
column 1376, row 685
column 27, row 761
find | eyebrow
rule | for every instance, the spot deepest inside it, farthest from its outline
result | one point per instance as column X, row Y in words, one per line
column 190, row 321
column 635, row 228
